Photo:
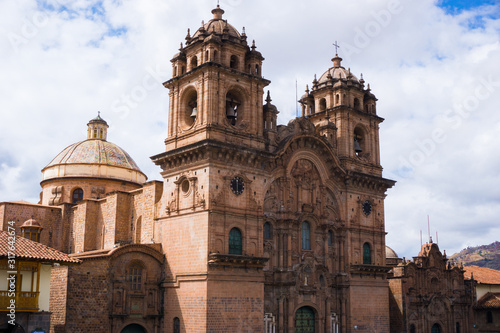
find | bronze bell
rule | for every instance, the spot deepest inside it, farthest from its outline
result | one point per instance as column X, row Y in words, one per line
column 357, row 147
column 230, row 111
column 194, row 113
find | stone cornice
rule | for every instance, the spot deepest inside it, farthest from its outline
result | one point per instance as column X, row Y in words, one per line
column 370, row 269
column 213, row 150
column 362, row 180
column 169, row 83
column 237, row 261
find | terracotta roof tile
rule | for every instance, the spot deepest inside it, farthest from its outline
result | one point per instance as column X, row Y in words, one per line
column 28, row 249
column 489, row 300
column 482, row 275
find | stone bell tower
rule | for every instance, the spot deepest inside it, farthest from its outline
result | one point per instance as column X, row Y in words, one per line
column 344, row 110
column 210, row 216
column 217, row 88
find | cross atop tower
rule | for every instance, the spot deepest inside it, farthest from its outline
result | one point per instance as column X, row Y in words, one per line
column 336, row 47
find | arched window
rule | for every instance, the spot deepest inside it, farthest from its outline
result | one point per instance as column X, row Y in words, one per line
column 305, row 320
column 367, row 254
column 330, row 237
column 267, row 230
column 359, row 142
column 337, row 99
column 215, row 56
column 322, row 104
column 233, row 62
column 207, row 56
column 235, row 243
column 177, row 325
column 436, row 328
column 306, row 236
column 412, row 328
column 135, row 277
column 257, row 70
column 233, row 104
column 435, row 284
column 489, row 317
column 77, row 195
column 95, row 133
column 322, row 281
column 133, row 328
column 356, row 104
column 101, row 132
column 194, row 62
column 175, row 71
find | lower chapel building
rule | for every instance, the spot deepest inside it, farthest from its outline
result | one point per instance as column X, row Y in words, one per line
column 256, row 227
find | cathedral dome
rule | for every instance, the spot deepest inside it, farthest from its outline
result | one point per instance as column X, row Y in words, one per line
column 390, row 253
column 218, row 26
column 94, row 157
column 337, row 72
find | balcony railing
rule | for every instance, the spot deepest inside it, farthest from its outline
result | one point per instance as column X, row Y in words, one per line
column 25, row 300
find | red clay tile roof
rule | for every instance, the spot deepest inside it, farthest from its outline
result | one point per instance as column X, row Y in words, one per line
column 489, row 300
column 28, row 249
column 482, row 275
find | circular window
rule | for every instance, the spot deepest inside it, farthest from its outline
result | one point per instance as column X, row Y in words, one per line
column 185, row 186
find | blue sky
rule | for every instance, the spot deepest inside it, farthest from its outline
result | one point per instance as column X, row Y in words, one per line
column 433, row 67
column 454, row 6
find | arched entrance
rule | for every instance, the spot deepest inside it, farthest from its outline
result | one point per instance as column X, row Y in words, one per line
column 133, row 328
column 436, row 328
column 304, row 320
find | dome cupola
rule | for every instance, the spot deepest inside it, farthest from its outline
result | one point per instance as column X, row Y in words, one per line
column 97, row 128
column 105, row 166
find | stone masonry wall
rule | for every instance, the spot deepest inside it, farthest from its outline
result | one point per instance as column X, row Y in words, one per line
column 58, row 294
column 50, row 218
column 88, row 298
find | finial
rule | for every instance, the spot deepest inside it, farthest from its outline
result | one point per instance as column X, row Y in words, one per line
column 217, row 12
column 361, row 76
column 188, row 34
column 307, row 88
column 336, row 48
column 181, row 47
column 253, row 45
column 244, row 32
column 268, row 98
column 99, row 113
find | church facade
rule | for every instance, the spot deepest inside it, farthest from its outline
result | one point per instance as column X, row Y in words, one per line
column 256, row 227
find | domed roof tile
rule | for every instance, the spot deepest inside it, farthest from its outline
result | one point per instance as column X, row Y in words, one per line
column 94, row 151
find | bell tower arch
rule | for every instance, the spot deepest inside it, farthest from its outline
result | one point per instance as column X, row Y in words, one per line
column 210, row 217
column 217, row 87
column 340, row 100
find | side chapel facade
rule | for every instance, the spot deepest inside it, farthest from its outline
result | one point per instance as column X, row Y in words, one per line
column 256, row 227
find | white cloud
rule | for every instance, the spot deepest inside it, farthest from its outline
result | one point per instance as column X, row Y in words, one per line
column 61, row 63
